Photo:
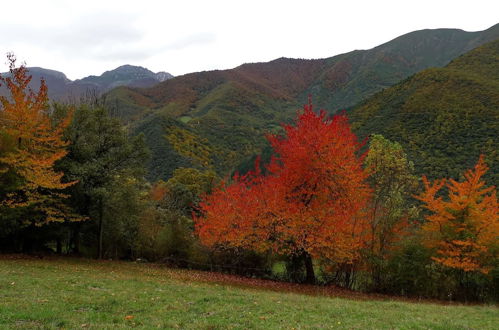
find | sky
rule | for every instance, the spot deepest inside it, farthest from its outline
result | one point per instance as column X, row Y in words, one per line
column 82, row 38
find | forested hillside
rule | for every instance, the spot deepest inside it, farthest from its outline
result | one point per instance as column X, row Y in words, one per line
column 232, row 110
column 443, row 117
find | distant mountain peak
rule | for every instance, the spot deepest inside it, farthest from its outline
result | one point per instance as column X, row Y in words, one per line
column 47, row 73
column 128, row 75
column 127, row 68
column 162, row 76
column 62, row 88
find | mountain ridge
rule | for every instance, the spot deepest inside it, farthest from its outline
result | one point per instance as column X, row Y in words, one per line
column 61, row 88
column 233, row 109
column 346, row 79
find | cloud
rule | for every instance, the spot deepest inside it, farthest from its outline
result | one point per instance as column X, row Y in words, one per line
column 91, row 36
column 197, row 39
column 98, row 36
column 87, row 35
column 142, row 50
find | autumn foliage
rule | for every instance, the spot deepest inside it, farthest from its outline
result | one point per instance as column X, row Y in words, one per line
column 35, row 142
column 310, row 202
column 464, row 227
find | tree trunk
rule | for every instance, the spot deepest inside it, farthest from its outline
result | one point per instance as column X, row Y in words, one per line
column 59, row 245
column 76, row 239
column 309, row 267
column 101, row 229
column 349, row 276
column 294, row 267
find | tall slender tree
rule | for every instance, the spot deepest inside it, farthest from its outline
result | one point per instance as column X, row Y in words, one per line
column 106, row 162
column 464, row 228
column 393, row 182
column 34, row 141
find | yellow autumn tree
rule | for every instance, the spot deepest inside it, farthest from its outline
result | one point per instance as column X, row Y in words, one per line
column 36, row 143
column 464, row 228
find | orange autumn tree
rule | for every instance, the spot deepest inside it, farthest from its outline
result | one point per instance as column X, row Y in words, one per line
column 464, row 228
column 36, row 144
column 310, row 204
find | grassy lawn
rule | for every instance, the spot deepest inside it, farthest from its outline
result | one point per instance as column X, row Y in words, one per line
column 74, row 293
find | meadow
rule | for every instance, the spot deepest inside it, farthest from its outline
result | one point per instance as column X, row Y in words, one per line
column 68, row 293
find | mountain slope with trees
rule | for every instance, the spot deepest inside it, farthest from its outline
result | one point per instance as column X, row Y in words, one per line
column 233, row 109
column 443, row 117
column 337, row 82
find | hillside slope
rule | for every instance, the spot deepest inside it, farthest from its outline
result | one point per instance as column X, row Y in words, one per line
column 337, row 82
column 234, row 109
column 79, row 293
column 444, row 117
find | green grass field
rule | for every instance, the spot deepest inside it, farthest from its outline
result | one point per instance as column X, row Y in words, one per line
column 74, row 293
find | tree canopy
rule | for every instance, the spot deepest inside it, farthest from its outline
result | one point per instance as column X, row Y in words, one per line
column 311, row 202
column 31, row 144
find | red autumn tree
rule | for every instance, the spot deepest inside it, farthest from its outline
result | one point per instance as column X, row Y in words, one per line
column 464, row 229
column 310, row 203
column 36, row 144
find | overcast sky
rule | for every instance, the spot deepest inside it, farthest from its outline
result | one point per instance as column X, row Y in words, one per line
column 87, row 37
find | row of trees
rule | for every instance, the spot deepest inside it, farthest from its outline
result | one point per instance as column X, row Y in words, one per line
column 329, row 208
column 61, row 166
column 323, row 203
column 72, row 182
